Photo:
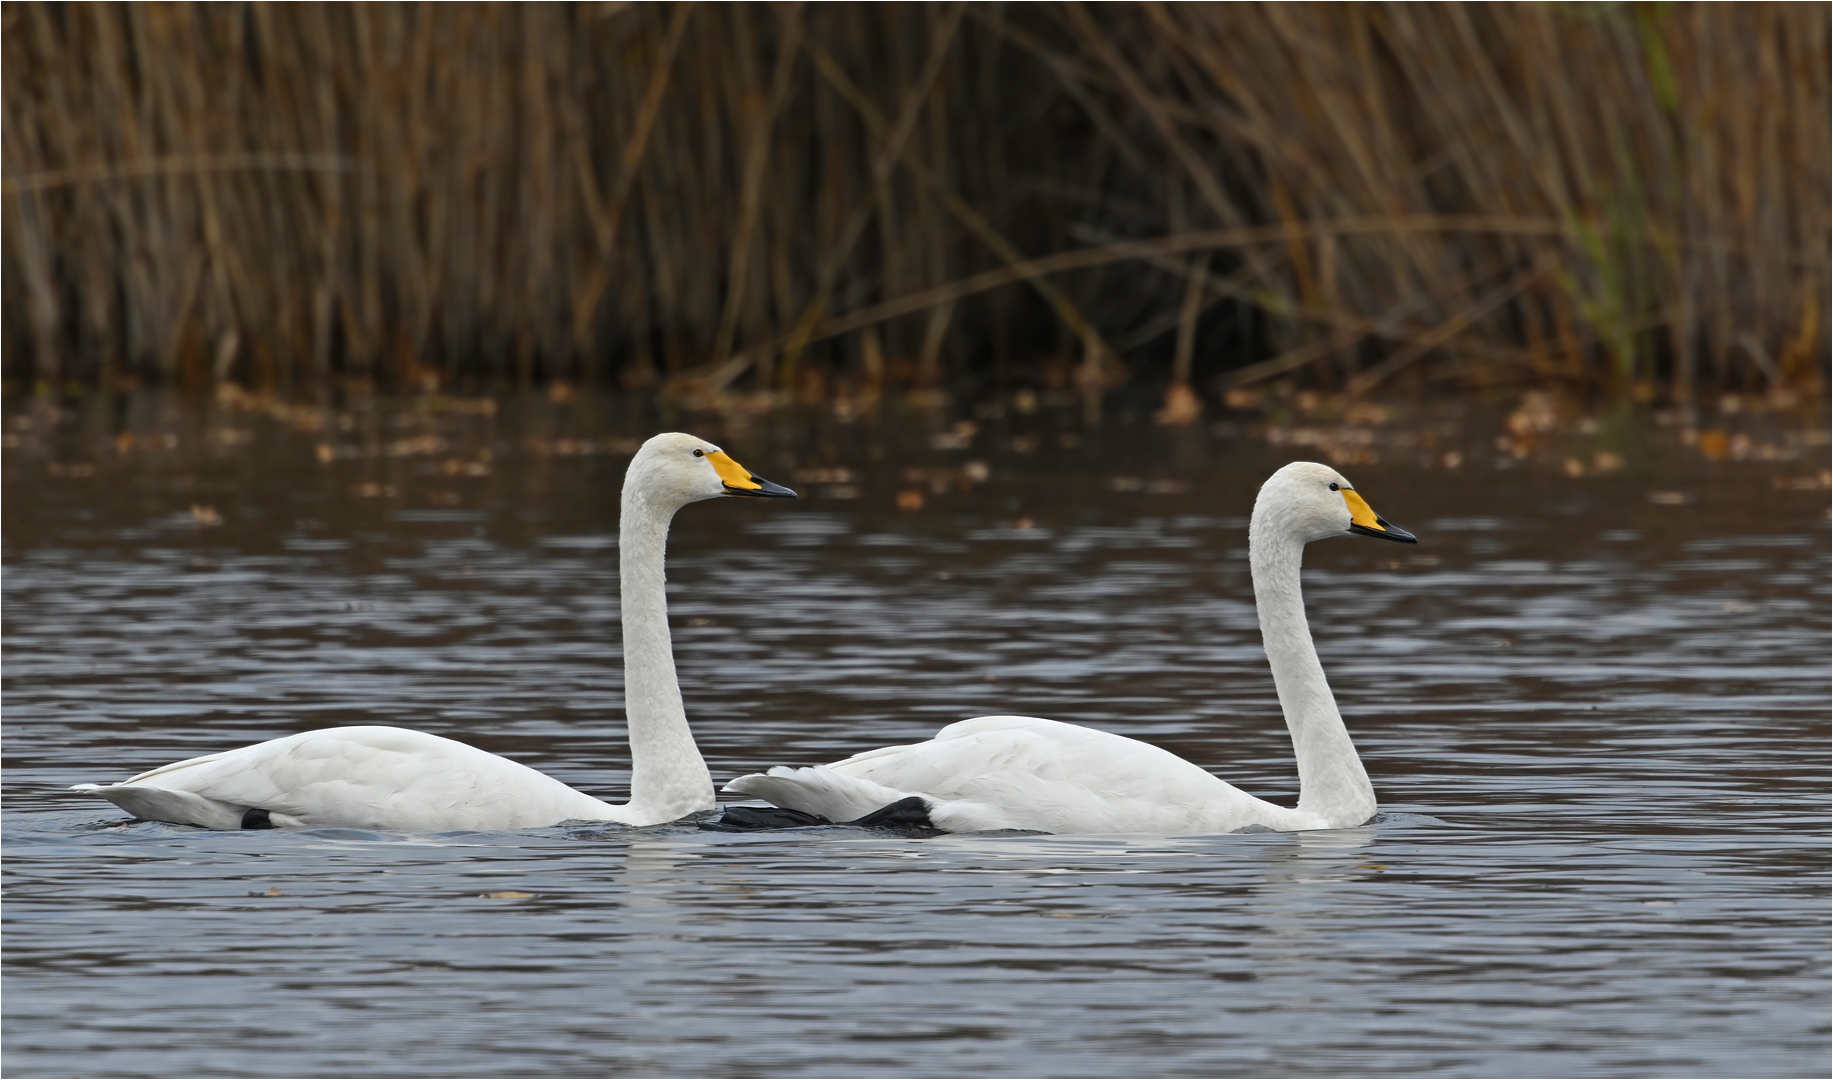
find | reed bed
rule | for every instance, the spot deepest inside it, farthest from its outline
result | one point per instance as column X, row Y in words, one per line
column 1619, row 198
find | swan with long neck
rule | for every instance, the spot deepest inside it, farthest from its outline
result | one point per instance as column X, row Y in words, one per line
column 402, row 780
column 1020, row 772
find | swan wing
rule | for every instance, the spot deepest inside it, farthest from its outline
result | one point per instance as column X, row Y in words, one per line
column 356, row 777
column 1022, row 772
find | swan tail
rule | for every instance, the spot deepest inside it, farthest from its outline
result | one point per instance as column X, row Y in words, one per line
column 818, row 790
column 164, row 804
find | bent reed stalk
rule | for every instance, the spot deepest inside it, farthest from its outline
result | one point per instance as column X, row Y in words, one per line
column 1611, row 196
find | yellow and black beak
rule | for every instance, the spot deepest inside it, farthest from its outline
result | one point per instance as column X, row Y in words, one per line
column 1364, row 521
column 739, row 481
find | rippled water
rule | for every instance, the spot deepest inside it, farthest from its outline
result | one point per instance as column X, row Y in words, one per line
column 1595, row 710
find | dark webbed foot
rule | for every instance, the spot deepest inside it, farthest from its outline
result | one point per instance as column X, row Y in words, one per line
column 907, row 815
column 761, row 819
column 908, row 812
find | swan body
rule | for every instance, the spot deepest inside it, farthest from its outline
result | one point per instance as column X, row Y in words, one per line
column 401, row 780
column 1021, row 772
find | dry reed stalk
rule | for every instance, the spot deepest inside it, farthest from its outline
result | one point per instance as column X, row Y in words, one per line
column 424, row 195
column 1540, row 114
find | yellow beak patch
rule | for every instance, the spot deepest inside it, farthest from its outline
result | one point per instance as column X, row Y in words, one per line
column 734, row 475
column 1360, row 513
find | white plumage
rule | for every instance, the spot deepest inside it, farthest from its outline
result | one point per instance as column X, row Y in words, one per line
column 1020, row 772
column 409, row 781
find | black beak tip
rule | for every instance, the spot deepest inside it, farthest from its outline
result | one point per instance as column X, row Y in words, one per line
column 1386, row 532
column 764, row 489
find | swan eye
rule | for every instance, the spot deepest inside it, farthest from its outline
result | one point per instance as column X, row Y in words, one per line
column 702, row 453
column 1333, row 487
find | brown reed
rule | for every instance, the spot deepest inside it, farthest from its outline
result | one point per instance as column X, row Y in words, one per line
column 1605, row 196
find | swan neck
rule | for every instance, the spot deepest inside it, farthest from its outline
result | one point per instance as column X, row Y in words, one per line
column 667, row 775
column 1332, row 783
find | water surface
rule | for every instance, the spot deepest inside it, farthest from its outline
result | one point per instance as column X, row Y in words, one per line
column 1595, row 709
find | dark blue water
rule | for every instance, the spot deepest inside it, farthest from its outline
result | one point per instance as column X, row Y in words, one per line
column 1595, row 709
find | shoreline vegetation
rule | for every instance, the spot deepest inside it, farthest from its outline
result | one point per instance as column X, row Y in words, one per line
column 1224, row 206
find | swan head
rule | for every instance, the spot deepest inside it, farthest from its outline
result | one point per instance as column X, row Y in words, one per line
column 678, row 469
column 1308, row 501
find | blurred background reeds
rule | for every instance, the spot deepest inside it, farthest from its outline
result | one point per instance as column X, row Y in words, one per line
column 1618, row 199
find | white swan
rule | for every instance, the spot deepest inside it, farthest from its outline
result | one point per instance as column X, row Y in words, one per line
column 1019, row 772
column 408, row 781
